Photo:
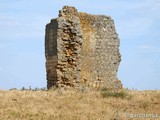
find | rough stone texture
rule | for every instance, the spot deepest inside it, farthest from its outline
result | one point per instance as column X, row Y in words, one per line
column 82, row 49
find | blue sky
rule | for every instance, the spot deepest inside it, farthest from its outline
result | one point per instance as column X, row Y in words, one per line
column 22, row 30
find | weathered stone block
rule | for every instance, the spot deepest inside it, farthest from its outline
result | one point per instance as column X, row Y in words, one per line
column 82, row 49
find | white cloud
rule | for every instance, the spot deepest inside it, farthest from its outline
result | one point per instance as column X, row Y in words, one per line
column 24, row 27
column 6, row 21
column 135, row 19
column 148, row 48
column 132, row 28
column 38, row 23
column 2, row 45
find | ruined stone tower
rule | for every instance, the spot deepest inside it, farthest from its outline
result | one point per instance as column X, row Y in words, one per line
column 82, row 49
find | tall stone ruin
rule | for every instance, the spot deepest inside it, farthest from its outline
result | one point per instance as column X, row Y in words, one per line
column 82, row 50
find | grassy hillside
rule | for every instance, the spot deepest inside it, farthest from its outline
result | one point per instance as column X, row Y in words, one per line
column 72, row 105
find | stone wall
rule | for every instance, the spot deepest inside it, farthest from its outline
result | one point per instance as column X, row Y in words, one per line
column 82, row 49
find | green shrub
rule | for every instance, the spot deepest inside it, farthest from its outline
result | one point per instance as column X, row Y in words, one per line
column 103, row 89
column 117, row 94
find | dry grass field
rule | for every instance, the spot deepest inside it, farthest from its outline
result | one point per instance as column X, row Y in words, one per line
column 72, row 105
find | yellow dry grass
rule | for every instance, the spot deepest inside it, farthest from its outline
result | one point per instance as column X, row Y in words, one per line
column 72, row 105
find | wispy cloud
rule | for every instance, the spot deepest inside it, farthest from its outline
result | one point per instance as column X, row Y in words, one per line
column 134, row 19
column 148, row 48
column 6, row 21
column 3, row 45
column 134, row 28
column 23, row 28
column 38, row 23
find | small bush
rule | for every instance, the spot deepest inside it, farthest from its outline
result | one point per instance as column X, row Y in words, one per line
column 13, row 89
column 23, row 88
column 103, row 89
column 43, row 89
column 113, row 94
column 117, row 94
